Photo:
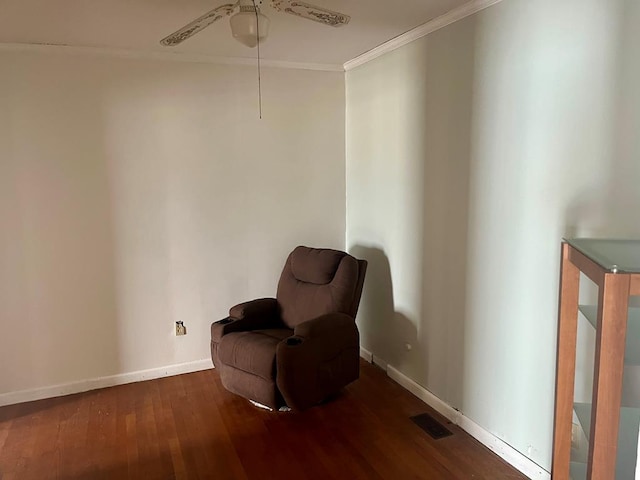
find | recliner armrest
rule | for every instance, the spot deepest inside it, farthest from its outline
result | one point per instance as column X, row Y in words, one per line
column 261, row 307
column 220, row 328
column 318, row 339
column 247, row 316
column 321, row 356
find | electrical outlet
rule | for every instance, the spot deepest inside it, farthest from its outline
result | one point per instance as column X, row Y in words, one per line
column 180, row 329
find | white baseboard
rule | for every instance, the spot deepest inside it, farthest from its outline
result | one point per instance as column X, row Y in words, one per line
column 378, row 361
column 509, row 454
column 102, row 382
column 366, row 354
column 371, row 358
column 425, row 395
column 505, row 451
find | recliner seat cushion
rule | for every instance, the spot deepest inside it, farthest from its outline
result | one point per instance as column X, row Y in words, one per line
column 252, row 352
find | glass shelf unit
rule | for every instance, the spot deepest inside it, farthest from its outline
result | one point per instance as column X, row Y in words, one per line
column 629, row 424
column 616, row 256
column 627, row 442
column 610, row 429
column 632, row 348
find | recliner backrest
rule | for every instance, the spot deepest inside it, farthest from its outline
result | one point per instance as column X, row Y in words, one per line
column 317, row 281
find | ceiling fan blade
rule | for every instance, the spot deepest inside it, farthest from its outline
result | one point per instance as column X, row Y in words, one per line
column 311, row 12
column 198, row 24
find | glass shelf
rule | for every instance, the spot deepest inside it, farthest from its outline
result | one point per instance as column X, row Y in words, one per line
column 578, row 471
column 632, row 350
column 627, row 441
column 613, row 255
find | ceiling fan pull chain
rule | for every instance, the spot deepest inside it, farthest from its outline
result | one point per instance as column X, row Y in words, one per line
column 259, row 79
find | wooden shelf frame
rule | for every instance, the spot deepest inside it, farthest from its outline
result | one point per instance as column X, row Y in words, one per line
column 614, row 292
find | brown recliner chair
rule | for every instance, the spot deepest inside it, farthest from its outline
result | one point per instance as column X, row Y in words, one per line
column 300, row 347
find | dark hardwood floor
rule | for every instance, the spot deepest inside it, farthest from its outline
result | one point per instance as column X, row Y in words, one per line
column 189, row 426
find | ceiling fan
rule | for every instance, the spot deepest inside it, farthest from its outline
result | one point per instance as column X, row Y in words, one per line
column 248, row 25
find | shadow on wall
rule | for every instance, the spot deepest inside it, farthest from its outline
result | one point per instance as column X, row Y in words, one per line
column 418, row 152
column 387, row 332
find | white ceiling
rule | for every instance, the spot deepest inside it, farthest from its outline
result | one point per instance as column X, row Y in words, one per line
column 140, row 24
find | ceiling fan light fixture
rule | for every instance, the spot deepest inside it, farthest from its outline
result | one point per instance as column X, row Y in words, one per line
column 249, row 28
column 249, row 23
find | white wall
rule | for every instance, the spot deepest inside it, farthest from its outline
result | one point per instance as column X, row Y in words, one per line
column 470, row 154
column 135, row 193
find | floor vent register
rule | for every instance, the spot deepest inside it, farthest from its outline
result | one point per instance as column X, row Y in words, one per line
column 430, row 425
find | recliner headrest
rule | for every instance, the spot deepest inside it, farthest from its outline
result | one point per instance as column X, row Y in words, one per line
column 315, row 265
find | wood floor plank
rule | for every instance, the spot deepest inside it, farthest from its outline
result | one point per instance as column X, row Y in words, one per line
column 190, row 427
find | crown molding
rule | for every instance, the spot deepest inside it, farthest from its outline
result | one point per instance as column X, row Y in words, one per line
column 164, row 56
column 466, row 10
